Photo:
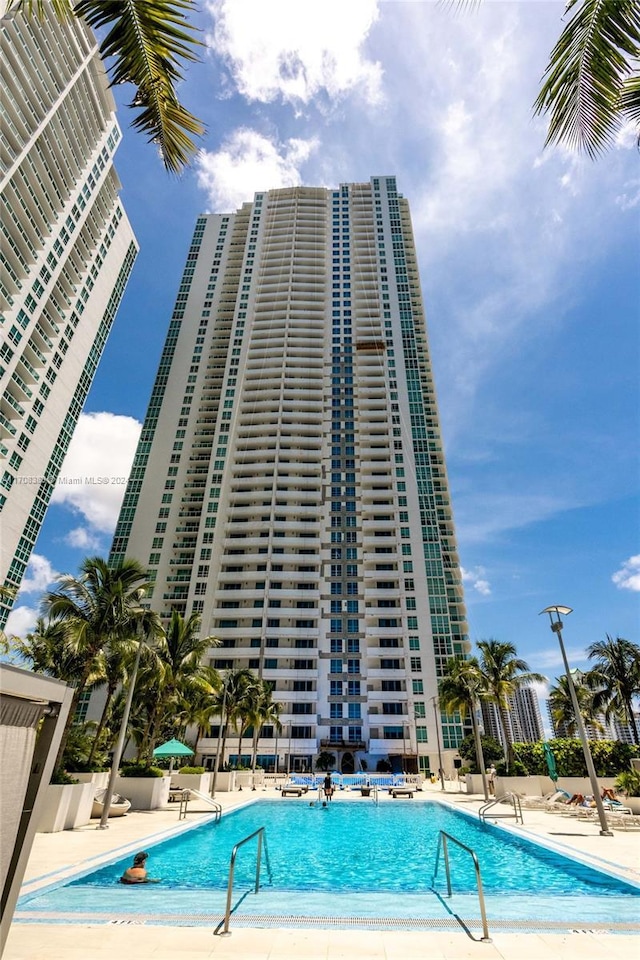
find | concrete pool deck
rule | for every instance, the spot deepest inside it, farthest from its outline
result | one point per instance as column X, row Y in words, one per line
column 62, row 854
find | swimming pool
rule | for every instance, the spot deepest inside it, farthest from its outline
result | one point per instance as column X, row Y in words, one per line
column 347, row 860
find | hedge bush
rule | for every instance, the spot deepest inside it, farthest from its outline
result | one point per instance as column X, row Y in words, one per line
column 140, row 770
column 610, row 757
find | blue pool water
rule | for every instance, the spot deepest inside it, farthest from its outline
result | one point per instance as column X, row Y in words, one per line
column 328, row 855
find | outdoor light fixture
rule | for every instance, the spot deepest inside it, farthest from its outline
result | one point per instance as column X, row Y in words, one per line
column 556, row 626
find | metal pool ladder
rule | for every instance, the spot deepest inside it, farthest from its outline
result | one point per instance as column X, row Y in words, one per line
column 443, row 839
column 513, row 798
column 260, row 834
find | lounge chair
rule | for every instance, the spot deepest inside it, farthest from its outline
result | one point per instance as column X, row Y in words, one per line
column 117, row 808
column 294, row 789
column 401, row 792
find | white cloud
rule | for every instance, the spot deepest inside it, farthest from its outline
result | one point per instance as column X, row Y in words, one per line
column 40, row 574
column 248, row 161
column 628, row 576
column 94, row 474
column 482, row 516
column 631, row 197
column 21, row 621
column 552, row 657
column 476, row 578
column 295, row 51
column 82, row 538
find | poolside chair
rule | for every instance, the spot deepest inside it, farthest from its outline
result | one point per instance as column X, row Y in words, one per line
column 549, row 800
column 117, row 808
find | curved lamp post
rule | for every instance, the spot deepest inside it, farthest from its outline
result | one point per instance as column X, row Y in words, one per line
column 556, row 626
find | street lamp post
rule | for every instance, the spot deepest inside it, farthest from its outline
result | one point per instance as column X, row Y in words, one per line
column 434, row 700
column 556, row 627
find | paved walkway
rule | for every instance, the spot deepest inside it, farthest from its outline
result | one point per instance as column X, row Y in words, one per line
column 64, row 853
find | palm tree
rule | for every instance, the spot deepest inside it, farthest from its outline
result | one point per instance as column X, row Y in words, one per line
column 101, row 606
column 231, row 701
column 176, row 675
column 561, row 705
column 147, row 43
column 116, row 662
column 592, row 83
column 616, row 679
column 459, row 691
column 267, row 710
column 502, row 673
column 199, row 709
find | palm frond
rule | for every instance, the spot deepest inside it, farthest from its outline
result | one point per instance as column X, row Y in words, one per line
column 148, row 43
column 587, row 71
column 630, row 98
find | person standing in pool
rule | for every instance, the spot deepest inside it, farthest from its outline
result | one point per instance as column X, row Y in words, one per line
column 138, row 872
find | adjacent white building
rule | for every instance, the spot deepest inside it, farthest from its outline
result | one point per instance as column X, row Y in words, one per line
column 290, row 481
column 524, row 720
column 66, row 253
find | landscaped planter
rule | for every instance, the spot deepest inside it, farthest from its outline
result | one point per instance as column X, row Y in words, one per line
column 191, row 781
column 244, row 779
column 67, row 805
column 100, row 779
column 225, row 781
column 633, row 803
column 145, row 793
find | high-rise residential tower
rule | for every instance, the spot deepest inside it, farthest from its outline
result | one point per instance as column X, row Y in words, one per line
column 290, row 480
column 66, row 253
column 524, row 720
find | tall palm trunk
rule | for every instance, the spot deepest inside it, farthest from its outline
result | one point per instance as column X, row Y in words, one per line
column 628, row 706
column 508, row 746
column 111, row 689
column 240, row 738
column 479, row 753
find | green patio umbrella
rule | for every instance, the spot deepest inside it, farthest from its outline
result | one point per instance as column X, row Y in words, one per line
column 551, row 762
column 171, row 750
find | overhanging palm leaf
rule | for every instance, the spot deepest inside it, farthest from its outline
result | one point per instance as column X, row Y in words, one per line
column 148, row 41
column 591, row 82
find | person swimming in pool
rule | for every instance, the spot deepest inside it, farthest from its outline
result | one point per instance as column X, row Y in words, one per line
column 138, row 872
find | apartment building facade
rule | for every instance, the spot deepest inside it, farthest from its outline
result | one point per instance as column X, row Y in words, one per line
column 290, row 481
column 66, row 253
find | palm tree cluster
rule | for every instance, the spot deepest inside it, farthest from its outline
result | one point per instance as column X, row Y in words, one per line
column 606, row 691
column 493, row 676
column 89, row 635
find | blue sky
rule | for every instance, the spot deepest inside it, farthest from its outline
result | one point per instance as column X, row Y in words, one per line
column 529, row 266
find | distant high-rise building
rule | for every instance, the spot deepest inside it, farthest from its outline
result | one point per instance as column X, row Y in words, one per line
column 290, row 480
column 66, row 253
column 624, row 731
column 604, row 730
column 524, row 721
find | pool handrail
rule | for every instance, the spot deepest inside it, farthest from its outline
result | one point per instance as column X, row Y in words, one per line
column 513, row 798
column 261, row 835
column 443, row 838
column 186, row 795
